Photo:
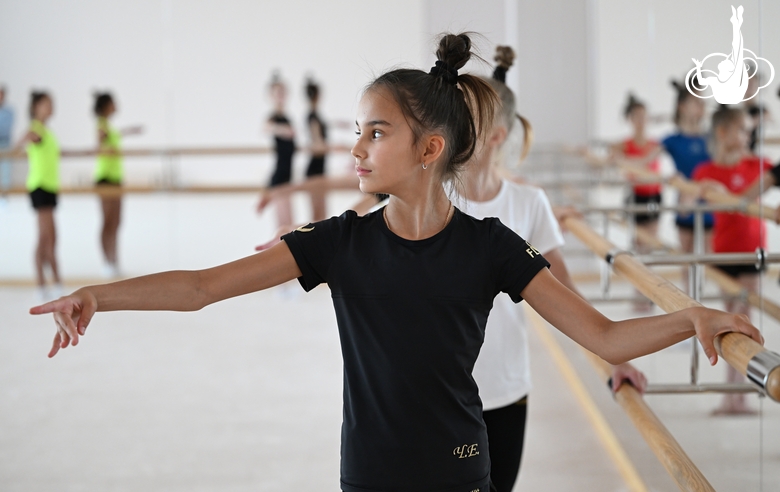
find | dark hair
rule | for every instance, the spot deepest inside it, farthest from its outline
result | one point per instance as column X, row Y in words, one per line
column 460, row 106
column 632, row 104
column 312, row 89
column 35, row 98
column 682, row 96
column 505, row 56
column 724, row 116
column 102, row 101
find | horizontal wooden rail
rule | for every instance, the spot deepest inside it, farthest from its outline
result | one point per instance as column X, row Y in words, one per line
column 170, row 152
column 744, row 354
column 108, row 190
column 663, row 444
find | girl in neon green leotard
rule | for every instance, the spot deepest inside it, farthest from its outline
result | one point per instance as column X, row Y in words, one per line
column 109, row 173
column 43, row 183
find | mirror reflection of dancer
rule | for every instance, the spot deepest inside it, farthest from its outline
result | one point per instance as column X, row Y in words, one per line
column 108, row 174
column 735, row 168
column 412, row 286
column 280, row 127
column 731, row 83
column 318, row 132
column 502, row 370
column 43, row 184
column 642, row 153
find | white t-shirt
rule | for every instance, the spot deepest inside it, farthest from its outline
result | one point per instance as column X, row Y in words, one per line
column 502, row 370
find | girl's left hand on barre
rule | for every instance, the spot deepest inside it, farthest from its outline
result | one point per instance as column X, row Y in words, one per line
column 710, row 323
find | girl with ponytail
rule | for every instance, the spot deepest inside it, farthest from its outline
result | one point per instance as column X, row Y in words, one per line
column 502, row 370
column 412, row 285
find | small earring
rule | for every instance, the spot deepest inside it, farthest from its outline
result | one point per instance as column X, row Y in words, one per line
column 424, row 166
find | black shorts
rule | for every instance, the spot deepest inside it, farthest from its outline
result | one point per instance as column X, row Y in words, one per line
column 775, row 171
column 316, row 166
column 734, row 271
column 43, row 199
column 645, row 218
column 106, row 181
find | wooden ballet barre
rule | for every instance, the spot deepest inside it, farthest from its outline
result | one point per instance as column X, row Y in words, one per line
column 729, row 285
column 663, row 444
column 170, row 152
column 761, row 366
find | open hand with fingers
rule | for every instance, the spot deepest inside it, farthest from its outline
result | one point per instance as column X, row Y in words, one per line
column 72, row 314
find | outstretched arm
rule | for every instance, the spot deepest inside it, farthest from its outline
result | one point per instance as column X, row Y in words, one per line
column 620, row 341
column 169, row 291
column 756, row 189
column 620, row 372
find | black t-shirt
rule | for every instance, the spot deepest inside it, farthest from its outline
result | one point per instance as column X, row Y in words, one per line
column 285, row 147
column 411, row 317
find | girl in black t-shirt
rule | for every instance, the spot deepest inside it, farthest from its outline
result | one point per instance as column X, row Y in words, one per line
column 412, row 285
column 280, row 127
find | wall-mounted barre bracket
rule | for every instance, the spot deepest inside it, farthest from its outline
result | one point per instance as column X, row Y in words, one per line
column 761, row 367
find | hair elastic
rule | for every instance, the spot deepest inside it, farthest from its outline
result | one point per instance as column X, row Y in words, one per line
column 442, row 69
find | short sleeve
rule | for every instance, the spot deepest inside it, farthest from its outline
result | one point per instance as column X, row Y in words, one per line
column 545, row 234
column 314, row 247
column 514, row 261
column 666, row 142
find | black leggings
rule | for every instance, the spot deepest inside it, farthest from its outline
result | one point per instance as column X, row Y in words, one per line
column 506, row 433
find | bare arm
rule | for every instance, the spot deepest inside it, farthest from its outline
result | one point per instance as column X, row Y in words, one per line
column 756, row 189
column 620, row 372
column 620, row 341
column 169, row 291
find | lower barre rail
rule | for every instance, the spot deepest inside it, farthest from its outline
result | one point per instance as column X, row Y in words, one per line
column 663, row 444
column 677, row 389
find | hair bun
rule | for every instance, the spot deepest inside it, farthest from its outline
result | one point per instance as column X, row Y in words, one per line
column 454, row 50
column 505, row 56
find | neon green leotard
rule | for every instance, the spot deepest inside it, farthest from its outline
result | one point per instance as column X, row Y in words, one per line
column 109, row 167
column 44, row 159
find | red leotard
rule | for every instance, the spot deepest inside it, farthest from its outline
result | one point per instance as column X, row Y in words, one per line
column 631, row 149
column 735, row 232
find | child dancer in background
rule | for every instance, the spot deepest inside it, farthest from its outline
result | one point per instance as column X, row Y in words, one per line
column 642, row 153
column 735, row 168
column 280, row 127
column 318, row 133
column 43, row 184
column 109, row 174
column 502, row 370
column 412, row 285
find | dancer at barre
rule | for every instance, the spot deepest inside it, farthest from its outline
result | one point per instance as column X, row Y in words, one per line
column 109, row 173
column 43, row 184
column 318, row 132
column 279, row 125
column 640, row 152
column 502, row 370
column 734, row 168
column 412, row 286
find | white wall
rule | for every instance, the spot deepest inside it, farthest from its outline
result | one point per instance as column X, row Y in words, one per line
column 196, row 71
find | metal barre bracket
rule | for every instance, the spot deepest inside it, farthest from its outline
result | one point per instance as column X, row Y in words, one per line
column 613, row 253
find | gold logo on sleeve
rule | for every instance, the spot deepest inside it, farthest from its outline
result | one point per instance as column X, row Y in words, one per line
column 305, row 229
column 532, row 252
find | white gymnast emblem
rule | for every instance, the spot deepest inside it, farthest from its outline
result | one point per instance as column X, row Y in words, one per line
column 730, row 83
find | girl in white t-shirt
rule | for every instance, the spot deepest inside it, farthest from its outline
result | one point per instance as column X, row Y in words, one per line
column 502, row 369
